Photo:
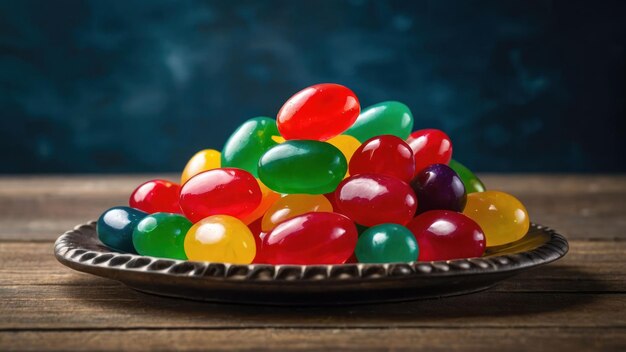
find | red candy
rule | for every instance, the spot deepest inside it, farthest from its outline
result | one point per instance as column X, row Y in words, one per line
column 387, row 155
column 371, row 199
column 430, row 146
column 445, row 235
column 311, row 238
column 156, row 196
column 225, row 191
column 319, row 112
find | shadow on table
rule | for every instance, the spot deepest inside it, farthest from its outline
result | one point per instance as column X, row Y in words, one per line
column 509, row 299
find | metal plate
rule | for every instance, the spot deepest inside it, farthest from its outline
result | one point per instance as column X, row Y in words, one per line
column 81, row 250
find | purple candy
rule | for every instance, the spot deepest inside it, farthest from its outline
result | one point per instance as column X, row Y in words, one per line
column 438, row 187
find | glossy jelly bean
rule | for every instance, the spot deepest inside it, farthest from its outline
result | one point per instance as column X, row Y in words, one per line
column 156, row 196
column 445, row 235
column 222, row 239
column 268, row 197
column 318, row 112
column 224, row 191
column 471, row 182
column 438, row 187
column 311, row 238
column 371, row 199
column 389, row 117
column 246, row 145
column 293, row 205
column 302, row 166
column 430, row 146
column 161, row 235
column 386, row 155
column 346, row 144
column 501, row 216
column 204, row 160
column 258, row 234
column 386, row 243
column 115, row 227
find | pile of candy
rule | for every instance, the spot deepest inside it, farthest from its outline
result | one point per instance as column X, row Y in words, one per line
column 323, row 183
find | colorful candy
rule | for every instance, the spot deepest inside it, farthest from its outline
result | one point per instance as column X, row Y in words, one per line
column 220, row 238
column 268, row 197
column 248, row 143
column 389, row 117
column 224, row 191
column 430, row 146
column 319, row 112
column 386, row 243
column 370, row 199
column 472, row 182
column 115, row 227
column 204, row 160
column 161, row 235
column 438, row 187
column 502, row 217
column 387, row 155
column 346, row 144
column 302, row 166
column 156, row 196
column 293, row 205
column 445, row 235
column 312, row 238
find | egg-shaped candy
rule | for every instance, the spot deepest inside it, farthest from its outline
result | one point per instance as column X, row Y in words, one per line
column 204, row 160
column 156, row 196
column 386, row 243
column 293, row 205
column 445, row 235
column 318, row 112
column 224, row 191
column 302, row 166
column 387, row 155
column 430, row 146
column 438, row 187
column 372, row 199
column 161, row 235
column 472, row 183
column 311, row 238
column 388, row 117
column 248, row 143
column 502, row 217
column 115, row 227
column 220, row 238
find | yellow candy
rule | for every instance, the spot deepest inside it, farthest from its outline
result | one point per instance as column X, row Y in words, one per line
column 501, row 216
column 269, row 197
column 204, row 160
column 220, row 238
column 293, row 205
column 347, row 144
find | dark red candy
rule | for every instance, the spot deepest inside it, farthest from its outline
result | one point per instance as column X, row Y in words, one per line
column 255, row 228
column 430, row 146
column 225, row 191
column 438, row 187
column 156, row 196
column 445, row 235
column 371, row 199
column 387, row 155
column 311, row 238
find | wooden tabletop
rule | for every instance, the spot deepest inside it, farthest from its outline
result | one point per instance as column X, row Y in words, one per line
column 577, row 303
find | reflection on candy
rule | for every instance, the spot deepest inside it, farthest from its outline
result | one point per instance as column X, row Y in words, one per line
column 386, row 243
column 472, row 182
column 247, row 144
column 156, row 196
column 220, row 238
column 389, row 117
column 387, row 155
column 161, row 235
column 204, row 160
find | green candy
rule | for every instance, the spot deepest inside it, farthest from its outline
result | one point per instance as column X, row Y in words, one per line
column 248, row 143
column 389, row 117
column 303, row 166
column 162, row 235
column 472, row 183
column 386, row 243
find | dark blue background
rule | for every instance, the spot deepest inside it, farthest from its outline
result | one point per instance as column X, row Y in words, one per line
column 133, row 86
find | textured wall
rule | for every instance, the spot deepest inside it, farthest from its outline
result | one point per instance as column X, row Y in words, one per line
column 128, row 86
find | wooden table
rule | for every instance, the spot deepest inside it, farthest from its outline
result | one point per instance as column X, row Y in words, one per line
column 578, row 303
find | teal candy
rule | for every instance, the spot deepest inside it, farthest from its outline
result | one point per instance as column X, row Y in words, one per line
column 386, row 243
column 162, row 235
column 248, row 143
column 389, row 117
column 115, row 227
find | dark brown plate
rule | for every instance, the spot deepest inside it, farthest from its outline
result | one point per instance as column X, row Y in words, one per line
column 81, row 250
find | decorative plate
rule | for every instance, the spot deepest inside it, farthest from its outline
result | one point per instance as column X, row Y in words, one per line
column 81, row 250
